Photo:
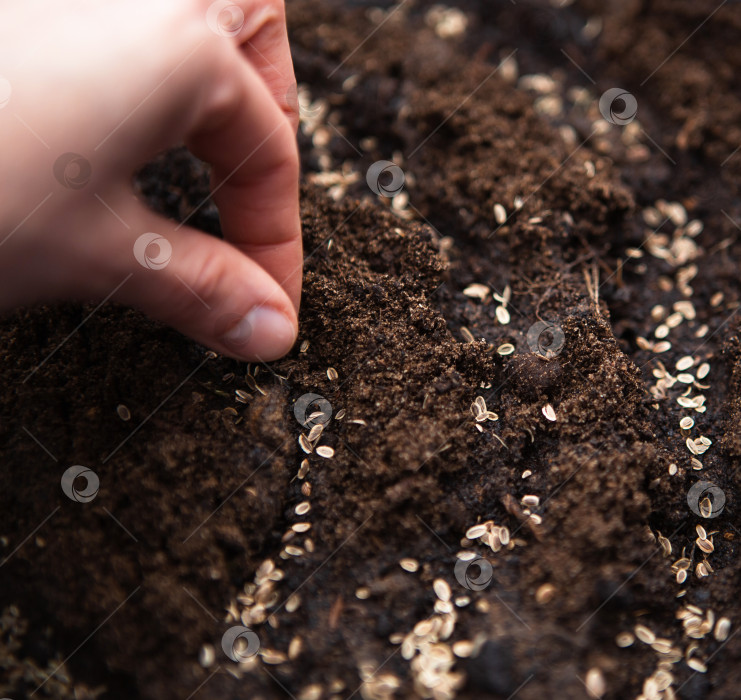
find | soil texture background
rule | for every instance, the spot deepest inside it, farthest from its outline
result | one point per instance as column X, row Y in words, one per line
column 511, row 340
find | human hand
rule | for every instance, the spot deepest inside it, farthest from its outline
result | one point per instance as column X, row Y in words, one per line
column 110, row 84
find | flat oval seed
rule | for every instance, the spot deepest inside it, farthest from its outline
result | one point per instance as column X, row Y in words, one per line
column 685, row 363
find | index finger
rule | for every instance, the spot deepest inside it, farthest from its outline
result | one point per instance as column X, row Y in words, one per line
column 252, row 147
column 259, row 28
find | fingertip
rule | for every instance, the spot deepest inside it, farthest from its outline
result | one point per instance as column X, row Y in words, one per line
column 264, row 333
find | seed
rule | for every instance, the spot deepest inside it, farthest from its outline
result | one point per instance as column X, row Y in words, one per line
column 304, row 346
column 467, row 335
column 705, row 545
column 685, row 308
column 662, row 331
column 442, row 589
column 686, row 423
column 473, row 533
column 463, row 649
column 325, row 451
column 316, row 432
column 685, row 363
column 706, row 507
column 362, row 593
column 672, row 469
column 503, row 315
column 681, row 576
column 716, row 299
column 662, row 646
column 676, row 212
column 545, row 594
column 476, row 291
column 703, row 370
column 644, row 634
column 304, row 443
column 303, row 470
column 467, row 555
column 500, row 214
column 722, row 629
column 410, row 565
column 652, row 217
column 506, row 349
column 123, row 413
column 331, row 374
column 697, row 665
column 295, row 648
column 694, row 228
column 701, row 570
column 293, row 602
column 462, row 600
column 624, row 639
column 548, row 412
column 701, row 533
column 302, row 508
column 301, row 527
column 595, row 683
column 206, row 656
column 306, row 489
column 530, row 501
column 527, row 473
column 662, row 346
column 293, row 551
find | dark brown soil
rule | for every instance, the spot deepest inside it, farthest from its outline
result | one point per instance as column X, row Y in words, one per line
column 197, row 489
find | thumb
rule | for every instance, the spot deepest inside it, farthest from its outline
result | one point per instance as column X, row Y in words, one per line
column 206, row 289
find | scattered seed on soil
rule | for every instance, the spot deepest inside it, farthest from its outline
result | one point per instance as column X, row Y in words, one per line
column 624, row 639
column 644, row 634
column 506, row 349
column 325, row 451
column 722, row 629
column 500, row 214
column 332, row 374
column 123, row 412
column 442, row 589
column 595, row 683
column 304, row 443
column 477, row 291
column 410, row 565
column 549, row 412
column 302, row 508
column 545, row 594
column 503, row 315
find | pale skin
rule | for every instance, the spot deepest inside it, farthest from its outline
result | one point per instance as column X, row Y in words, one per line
column 116, row 82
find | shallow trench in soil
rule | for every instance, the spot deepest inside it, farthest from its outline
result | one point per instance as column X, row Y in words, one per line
column 511, row 341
